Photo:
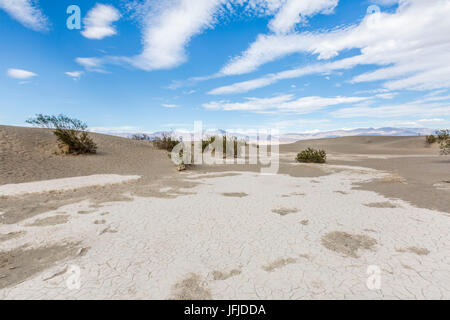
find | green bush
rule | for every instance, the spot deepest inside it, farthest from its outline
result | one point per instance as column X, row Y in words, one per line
column 166, row 143
column 445, row 147
column 71, row 133
column 141, row 137
column 231, row 145
column 312, row 156
column 445, row 142
column 443, row 135
column 431, row 139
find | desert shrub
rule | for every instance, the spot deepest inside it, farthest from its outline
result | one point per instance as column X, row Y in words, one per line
column 166, row 142
column 431, row 139
column 312, row 156
column 445, row 147
column 443, row 135
column 231, row 145
column 71, row 133
column 445, row 143
column 141, row 137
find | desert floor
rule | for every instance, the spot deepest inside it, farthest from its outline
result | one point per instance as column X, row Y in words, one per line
column 372, row 223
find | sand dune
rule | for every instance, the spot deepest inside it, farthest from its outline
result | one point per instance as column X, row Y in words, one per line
column 368, row 145
column 28, row 154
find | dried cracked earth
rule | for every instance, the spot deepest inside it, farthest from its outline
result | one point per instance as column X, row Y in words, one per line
column 240, row 235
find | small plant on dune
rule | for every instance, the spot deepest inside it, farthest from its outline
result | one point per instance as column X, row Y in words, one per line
column 445, row 143
column 141, row 137
column 312, row 156
column 166, row 142
column 431, row 139
column 231, row 145
column 443, row 135
column 71, row 133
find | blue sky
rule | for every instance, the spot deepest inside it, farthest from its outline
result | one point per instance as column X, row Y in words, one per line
column 295, row 65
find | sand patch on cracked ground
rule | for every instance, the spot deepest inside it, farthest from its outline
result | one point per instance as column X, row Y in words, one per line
column 64, row 184
column 385, row 204
column 17, row 209
column 221, row 275
column 304, row 222
column 22, row 263
column 278, row 264
column 347, row 244
column 235, row 195
column 393, row 178
column 415, row 250
column 191, row 288
column 50, row 221
column 285, row 211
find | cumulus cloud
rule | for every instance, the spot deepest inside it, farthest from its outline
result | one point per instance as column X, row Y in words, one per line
column 283, row 103
column 410, row 45
column 26, row 12
column 99, row 20
column 21, row 74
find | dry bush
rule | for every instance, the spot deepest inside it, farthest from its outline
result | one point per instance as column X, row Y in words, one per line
column 166, row 142
column 443, row 135
column 231, row 145
column 430, row 139
column 71, row 133
column 312, row 156
column 141, row 137
column 445, row 147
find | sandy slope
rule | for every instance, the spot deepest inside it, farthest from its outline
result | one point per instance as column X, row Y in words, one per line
column 29, row 155
column 309, row 232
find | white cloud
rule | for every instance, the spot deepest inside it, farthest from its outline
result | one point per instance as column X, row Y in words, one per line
column 117, row 130
column 294, row 11
column 99, row 20
column 431, row 120
column 283, row 103
column 395, row 111
column 269, row 79
column 170, row 106
column 385, row 2
column 75, row 75
column 26, row 12
column 21, row 74
column 91, row 64
column 413, row 42
column 169, row 26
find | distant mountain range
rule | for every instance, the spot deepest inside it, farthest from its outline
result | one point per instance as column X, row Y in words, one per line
column 293, row 137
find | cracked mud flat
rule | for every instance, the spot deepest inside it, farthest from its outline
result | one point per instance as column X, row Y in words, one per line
column 234, row 248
